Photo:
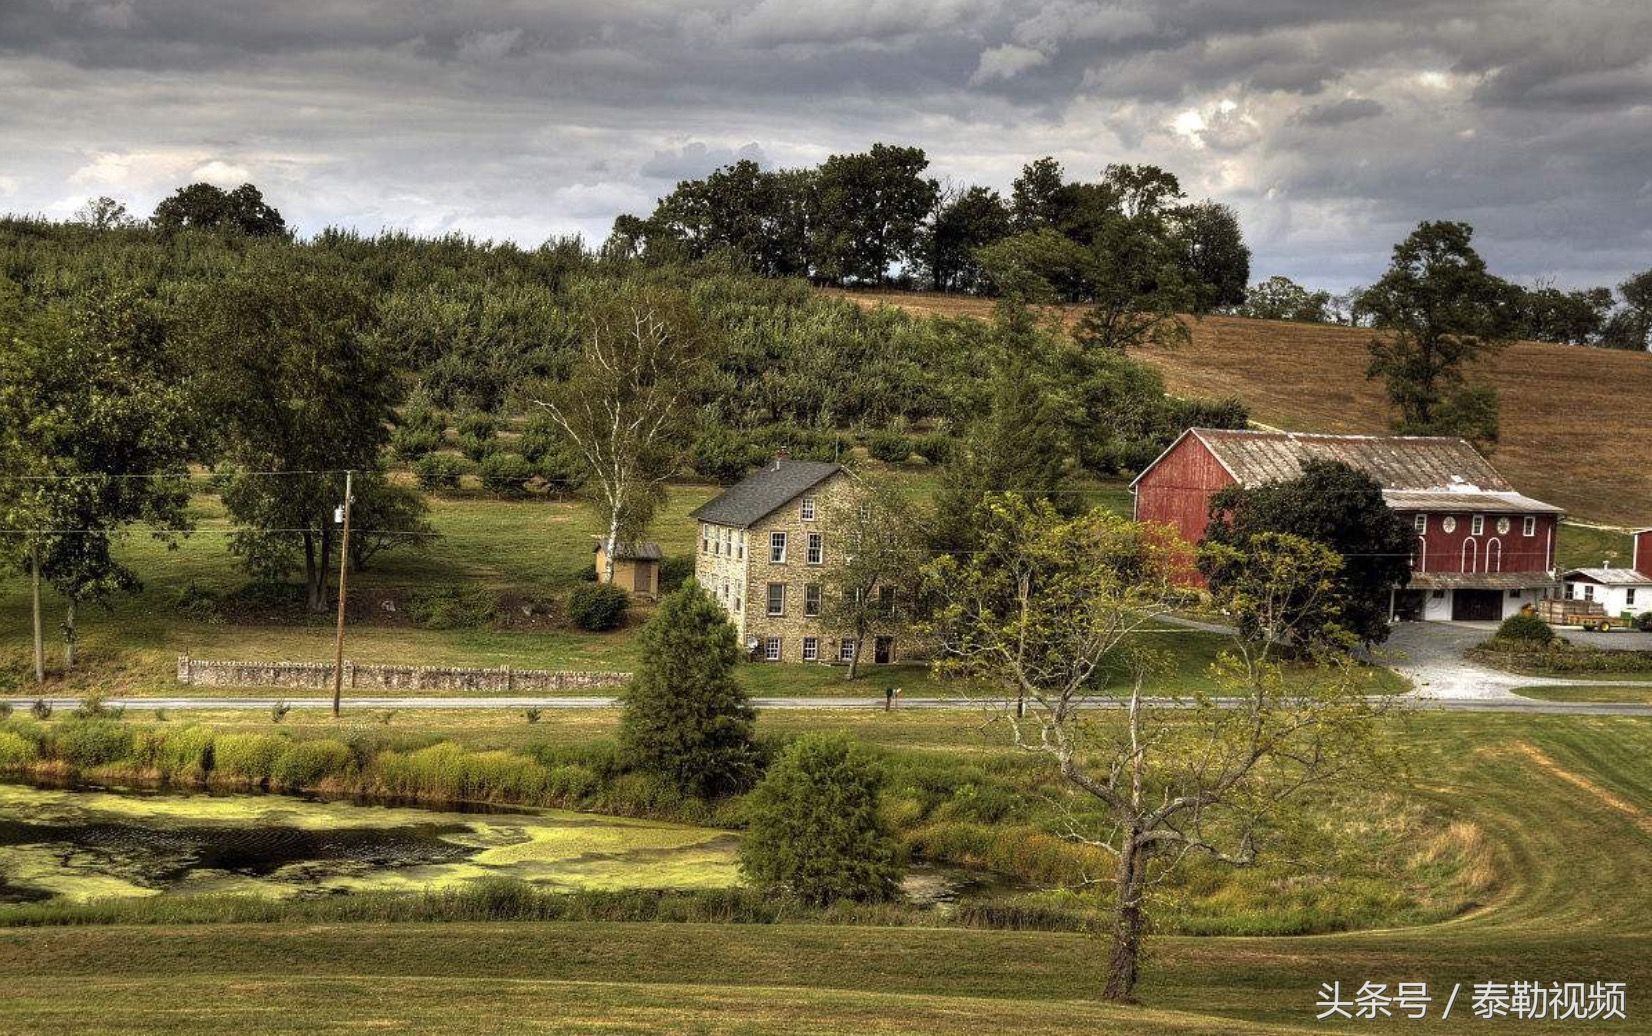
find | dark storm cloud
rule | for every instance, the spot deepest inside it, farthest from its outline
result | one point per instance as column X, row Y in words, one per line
column 1333, row 127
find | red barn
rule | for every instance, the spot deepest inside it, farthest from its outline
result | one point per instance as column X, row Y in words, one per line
column 1482, row 549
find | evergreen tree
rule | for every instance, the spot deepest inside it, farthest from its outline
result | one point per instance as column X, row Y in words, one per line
column 686, row 719
column 814, row 827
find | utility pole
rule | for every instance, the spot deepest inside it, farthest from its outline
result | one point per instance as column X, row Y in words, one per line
column 343, row 578
column 39, row 645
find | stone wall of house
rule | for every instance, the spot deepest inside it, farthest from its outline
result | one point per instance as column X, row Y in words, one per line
column 720, row 568
column 795, row 573
column 198, row 672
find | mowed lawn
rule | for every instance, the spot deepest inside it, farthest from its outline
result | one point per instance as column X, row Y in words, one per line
column 1565, row 802
column 1572, row 417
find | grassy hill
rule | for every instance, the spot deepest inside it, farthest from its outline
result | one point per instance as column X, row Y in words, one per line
column 1573, row 419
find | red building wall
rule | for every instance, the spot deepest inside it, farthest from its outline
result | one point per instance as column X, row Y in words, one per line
column 1519, row 553
column 1177, row 491
column 1642, row 554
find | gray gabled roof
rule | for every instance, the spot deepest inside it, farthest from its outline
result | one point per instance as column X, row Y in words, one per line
column 761, row 494
column 1397, row 461
column 1611, row 576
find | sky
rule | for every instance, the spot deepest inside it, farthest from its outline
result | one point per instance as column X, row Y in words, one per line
column 1332, row 126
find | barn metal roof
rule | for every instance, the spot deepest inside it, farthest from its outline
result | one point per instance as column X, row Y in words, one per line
column 1480, row 581
column 1611, row 576
column 1462, row 502
column 1397, row 461
column 761, row 494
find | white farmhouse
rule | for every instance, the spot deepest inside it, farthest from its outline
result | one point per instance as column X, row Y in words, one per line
column 1622, row 592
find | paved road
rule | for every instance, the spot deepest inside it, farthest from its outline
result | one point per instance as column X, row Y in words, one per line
column 1431, row 655
column 1512, row 703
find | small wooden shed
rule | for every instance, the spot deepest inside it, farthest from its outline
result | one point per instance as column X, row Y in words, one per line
column 636, row 567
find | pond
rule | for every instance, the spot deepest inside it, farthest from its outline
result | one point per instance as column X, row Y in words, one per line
column 80, row 844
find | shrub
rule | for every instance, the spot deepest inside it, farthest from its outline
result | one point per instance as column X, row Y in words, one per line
column 279, row 709
column 15, row 750
column 675, row 571
column 686, row 718
column 92, row 707
column 597, row 606
column 1527, row 628
column 814, row 826
column 5, row 710
column 1643, row 622
column 725, row 455
column 451, row 607
column 506, row 475
column 92, row 742
column 41, row 709
column 890, row 447
column 305, row 763
column 553, row 458
column 248, row 757
column 935, row 448
column 439, row 471
column 198, row 604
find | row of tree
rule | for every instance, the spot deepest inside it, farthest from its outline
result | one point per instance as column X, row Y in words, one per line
column 1542, row 313
column 873, row 217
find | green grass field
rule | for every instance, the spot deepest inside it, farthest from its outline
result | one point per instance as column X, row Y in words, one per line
column 1605, row 692
column 1562, row 804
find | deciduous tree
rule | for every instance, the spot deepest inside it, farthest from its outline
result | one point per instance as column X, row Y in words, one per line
column 874, row 547
column 1045, row 615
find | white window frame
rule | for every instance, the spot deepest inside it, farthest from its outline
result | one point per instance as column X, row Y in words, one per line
column 705, row 538
column 1477, row 525
column 1529, row 526
column 816, row 549
column 740, row 546
column 1420, row 523
column 777, row 548
column 819, row 599
column 846, row 650
column 811, row 649
column 769, row 602
column 771, row 649
column 1588, row 591
column 806, row 510
column 1629, row 596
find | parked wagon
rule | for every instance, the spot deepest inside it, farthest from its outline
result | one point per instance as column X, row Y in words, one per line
column 1590, row 615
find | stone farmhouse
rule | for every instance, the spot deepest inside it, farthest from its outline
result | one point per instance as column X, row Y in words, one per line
column 764, row 551
column 1482, row 551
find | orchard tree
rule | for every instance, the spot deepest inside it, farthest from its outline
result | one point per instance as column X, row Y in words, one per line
column 686, row 717
column 303, row 390
column 1046, row 614
column 97, row 427
column 1439, row 310
column 1337, row 506
column 625, row 404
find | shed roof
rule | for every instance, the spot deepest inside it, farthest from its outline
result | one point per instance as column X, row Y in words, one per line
column 1459, row 500
column 1480, row 581
column 1611, row 576
column 762, row 493
column 645, row 551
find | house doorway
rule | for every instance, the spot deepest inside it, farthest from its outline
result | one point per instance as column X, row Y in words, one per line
column 883, row 650
column 1476, row 605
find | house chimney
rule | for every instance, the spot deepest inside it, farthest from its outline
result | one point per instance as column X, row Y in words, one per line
column 779, row 455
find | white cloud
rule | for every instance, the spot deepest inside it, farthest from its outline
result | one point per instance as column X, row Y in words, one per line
column 483, row 47
column 221, row 173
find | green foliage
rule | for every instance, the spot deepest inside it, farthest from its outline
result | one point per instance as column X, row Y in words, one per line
column 1334, row 505
column 15, row 750
column 305, row 763
column 1441, row 309
column 279, row 709
column 506, row 475
column 1280, row 298
column 686, row 718
column 724, row 455
column 890, row 447
column 1526, row 628
column 203, row 206
column 248, row 757
column 40, row 709
column 814, row 829
column 439, row 471
column 186, row 754
column 478, row 434
column 675, row 570
column 85, row 743
column 597, row 607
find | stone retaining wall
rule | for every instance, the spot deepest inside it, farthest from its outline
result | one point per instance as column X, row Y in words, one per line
column 197, row 672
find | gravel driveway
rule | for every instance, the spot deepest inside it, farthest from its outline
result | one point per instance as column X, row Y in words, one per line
column 1431, row 654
